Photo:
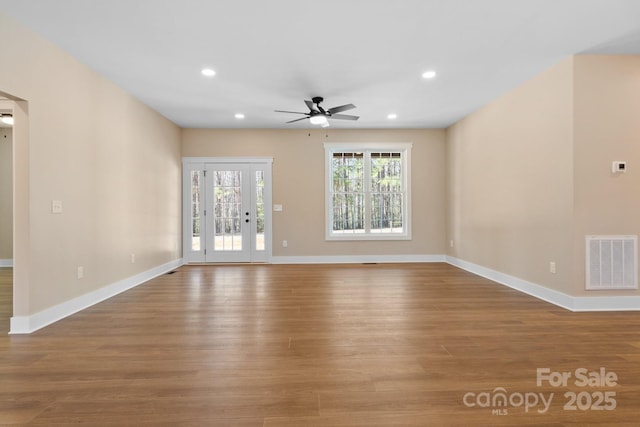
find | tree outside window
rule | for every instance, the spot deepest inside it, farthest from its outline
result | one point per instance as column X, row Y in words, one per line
column 367, row 191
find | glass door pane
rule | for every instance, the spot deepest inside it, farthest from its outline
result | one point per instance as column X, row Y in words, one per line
column 227, row 203
column 196, row 179
column 260, row 213
column 193, row 212
column 229, row 213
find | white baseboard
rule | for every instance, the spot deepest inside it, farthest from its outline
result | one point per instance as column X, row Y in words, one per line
column 355, row 259
column 610, row 303
column 29, row 324
column 6, row 263
column 595, row 303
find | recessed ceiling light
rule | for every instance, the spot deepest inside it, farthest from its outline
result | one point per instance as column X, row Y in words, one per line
column 392, row 116
column 208, row 72
column 239, row 116
column 428, row 74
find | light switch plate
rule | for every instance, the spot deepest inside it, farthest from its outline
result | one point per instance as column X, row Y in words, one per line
column 56, row 206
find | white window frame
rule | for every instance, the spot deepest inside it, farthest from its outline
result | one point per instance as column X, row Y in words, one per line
column 339, row 147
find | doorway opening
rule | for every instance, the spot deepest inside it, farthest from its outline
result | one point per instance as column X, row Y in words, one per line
column 17, row 279
column 226, row 210
column 6, row 217
column 6, row 212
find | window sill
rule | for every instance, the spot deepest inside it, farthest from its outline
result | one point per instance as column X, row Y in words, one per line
column 364, row 237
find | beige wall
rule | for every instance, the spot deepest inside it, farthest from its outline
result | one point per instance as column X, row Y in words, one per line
column 6, row 193
column 510, row 182
column 112, row 161
column 607, row 128
column 298, row 184
column 529, row 175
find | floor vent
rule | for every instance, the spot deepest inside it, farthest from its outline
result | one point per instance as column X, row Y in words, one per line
column 612, row 262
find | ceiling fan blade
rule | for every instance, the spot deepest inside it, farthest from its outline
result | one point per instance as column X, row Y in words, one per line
column 297, row 120
column 341, row 108
column 311, row 105
column 344, row 117
column 292, row 112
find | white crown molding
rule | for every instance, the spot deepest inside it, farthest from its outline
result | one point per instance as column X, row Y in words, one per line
column 29, row 324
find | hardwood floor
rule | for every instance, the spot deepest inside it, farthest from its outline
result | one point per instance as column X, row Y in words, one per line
column 319, row 345
column 6, row 299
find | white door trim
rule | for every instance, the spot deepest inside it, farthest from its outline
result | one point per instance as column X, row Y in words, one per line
column 200, row 164
column 252, row 160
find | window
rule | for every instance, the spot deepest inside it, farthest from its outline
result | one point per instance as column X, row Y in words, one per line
column 367, row 191
column 196, row 179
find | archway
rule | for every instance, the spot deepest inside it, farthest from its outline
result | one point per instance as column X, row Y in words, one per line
column 19, row 110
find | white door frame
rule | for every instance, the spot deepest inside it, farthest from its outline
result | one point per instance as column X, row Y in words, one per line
column 191, row 164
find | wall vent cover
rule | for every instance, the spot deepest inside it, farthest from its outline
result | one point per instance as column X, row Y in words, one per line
column 612, row 262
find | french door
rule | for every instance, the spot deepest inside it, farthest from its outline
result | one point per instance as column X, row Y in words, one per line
column 227, row 211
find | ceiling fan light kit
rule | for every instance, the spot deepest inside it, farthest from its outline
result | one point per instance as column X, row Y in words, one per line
column 317, row 115
column 6, row 119
column 318, row 119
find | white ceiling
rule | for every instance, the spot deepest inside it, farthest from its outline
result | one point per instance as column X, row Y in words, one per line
column 274, row 54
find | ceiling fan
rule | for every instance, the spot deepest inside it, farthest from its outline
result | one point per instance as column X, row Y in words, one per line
column 319, row 116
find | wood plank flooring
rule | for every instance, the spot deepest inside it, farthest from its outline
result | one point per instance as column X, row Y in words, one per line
column 6, row 299
column 318, row 345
